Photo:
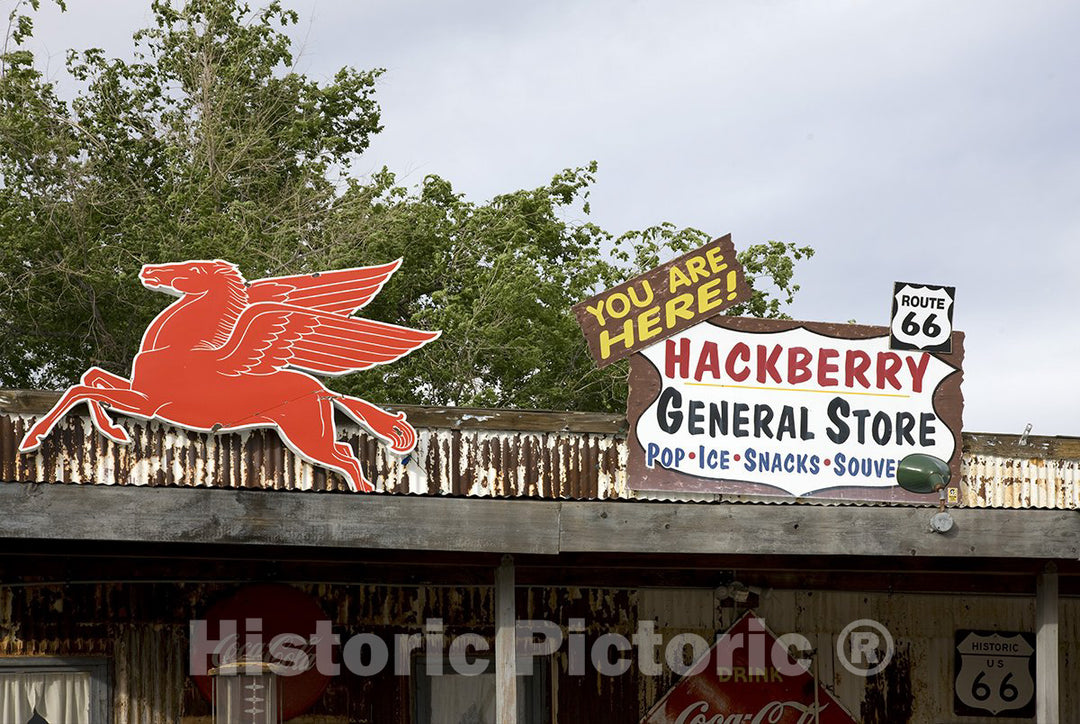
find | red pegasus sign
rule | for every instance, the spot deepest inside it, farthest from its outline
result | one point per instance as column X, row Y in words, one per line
column 232, row 354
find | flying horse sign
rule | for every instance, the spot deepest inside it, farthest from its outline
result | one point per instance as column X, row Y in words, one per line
column 232, row 354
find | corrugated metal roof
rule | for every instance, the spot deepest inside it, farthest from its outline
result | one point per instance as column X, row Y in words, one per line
column 477, row 453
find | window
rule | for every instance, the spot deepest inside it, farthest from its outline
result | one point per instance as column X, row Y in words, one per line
column 54, row 691
column 456, row 699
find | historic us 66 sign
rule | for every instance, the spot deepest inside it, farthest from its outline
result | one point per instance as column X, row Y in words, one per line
column 995, row 674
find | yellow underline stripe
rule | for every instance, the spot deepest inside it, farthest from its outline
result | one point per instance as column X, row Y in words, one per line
column 793, row 389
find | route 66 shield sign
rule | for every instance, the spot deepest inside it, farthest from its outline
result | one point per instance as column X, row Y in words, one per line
column 995, row 674
column 922, row 317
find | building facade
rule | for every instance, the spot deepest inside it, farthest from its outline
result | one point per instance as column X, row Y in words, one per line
column 111, row 552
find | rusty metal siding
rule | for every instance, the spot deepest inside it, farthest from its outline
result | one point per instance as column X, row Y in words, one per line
column 1069, row 637
column 142, row 629
column 557, row 456
column 473, row 462
column 149, row 674
column 1010, row 482
column 923, row 627
column 148, row 665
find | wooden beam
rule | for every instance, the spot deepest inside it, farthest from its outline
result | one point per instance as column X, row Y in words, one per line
column 505, row 644
column 816, row 530
column 26, row 562
column 31, row 561
column 1047, row 677
column 1032, row 446
column 199, row 515
column 484, row 525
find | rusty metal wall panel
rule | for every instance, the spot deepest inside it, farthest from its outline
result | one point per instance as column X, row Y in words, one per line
column 472, row 462
column 148, row 665
column 142, row 627
column 923, row 626
column 1009, row 482
column 1069, row 635
column 466, row 454
column 149, row 672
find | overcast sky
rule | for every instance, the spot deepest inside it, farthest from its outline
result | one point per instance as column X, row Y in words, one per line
column 929, row 141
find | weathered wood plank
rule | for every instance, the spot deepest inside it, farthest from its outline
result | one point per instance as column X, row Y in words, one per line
column 505, row 644
column 1016, row 446
column 1047, row 648
column 816, row 530
column 397, row 522
column 200, row 515
column 27, row 402
column 464, row 418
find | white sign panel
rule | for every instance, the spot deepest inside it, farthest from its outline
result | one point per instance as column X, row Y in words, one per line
column 922, row 317
column 994, row 674
column 797, row 410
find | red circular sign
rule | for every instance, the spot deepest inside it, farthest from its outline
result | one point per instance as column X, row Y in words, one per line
column 281, row 610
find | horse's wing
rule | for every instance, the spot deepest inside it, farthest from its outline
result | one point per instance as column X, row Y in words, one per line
column 341, row 292
column 263, row 339
column 345, row 344
column 270, row 336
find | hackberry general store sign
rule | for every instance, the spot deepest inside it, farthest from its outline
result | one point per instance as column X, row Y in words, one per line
column 772, row 407
column 752, row 406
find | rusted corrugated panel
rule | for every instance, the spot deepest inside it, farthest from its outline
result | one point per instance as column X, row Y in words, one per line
column 149, row 674
column 148, row 658
column 142, row 629
column 465, row 453
column 923, row 627
column 1069, row 635
column 1011, row 482
column 474, row 462
column 519, row 464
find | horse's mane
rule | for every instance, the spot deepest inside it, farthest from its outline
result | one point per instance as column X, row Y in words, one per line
column 236, row 298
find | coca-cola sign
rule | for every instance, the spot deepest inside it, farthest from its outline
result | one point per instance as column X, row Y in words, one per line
column 700, row 713
column 748, row 678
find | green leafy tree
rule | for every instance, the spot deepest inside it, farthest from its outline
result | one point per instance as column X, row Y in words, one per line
column 209, row 145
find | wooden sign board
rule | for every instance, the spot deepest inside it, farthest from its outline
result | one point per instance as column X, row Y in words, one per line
column 777, row 407
column 662, row 302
